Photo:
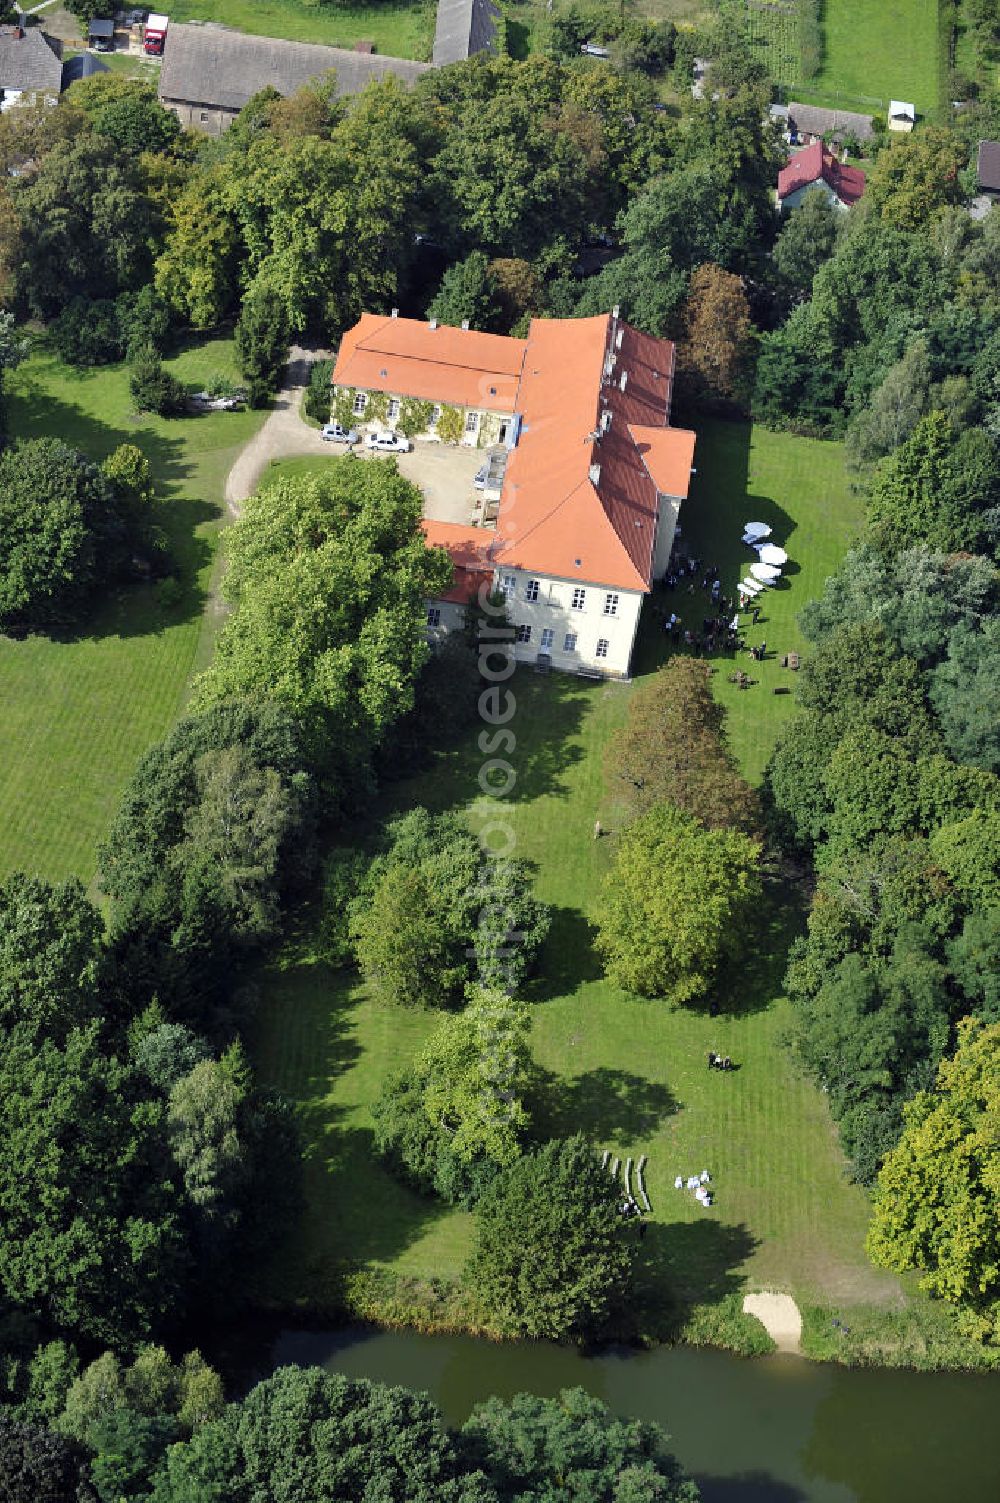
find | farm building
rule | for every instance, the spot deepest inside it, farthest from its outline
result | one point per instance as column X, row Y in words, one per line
column 209, row 72
column 902, row 116
column 810, row 123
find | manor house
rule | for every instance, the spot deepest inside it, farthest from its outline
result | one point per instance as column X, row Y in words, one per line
column 585, row 473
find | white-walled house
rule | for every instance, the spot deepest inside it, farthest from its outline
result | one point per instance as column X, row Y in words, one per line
column 594, row 479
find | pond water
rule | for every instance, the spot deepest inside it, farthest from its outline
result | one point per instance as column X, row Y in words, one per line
column 773, row 1430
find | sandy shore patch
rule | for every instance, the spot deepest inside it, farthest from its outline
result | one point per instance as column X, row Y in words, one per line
column 779, row 1315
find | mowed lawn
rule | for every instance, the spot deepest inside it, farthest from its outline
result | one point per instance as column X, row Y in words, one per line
column 398, row 30
column 630, row 1073
column 78, row 712
column 884, row 50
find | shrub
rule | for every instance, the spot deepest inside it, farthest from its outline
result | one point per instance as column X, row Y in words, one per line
column 88, row 332
column 154, row 389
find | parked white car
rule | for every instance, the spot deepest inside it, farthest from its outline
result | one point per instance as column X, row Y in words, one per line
column 335, row 434
column 388, row 443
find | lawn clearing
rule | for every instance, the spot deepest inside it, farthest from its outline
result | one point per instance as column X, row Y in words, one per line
column 630, row 1073
column 398, row 30
column 79, row 712
column 877, row 52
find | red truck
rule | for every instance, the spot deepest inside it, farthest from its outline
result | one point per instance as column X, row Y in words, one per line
column 154, row 35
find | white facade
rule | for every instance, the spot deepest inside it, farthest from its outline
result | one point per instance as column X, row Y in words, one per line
column 575, row 623
column 794, row 200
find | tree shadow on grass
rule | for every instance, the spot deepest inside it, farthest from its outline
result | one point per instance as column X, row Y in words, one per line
column 686, row 1263
column 568, row 959
column 610, row 1106
column 358, row 1211
column 549, row 713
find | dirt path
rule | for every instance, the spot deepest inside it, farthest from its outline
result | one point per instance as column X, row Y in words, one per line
column 779, row 1315
column 283, row 434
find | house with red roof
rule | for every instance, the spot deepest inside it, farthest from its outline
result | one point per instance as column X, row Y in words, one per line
column 593, row 475
column 817, row 167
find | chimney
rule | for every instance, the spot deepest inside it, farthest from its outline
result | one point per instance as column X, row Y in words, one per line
column 434, row 323
column 595, row 474
column 615, row 311
column 465, row 323
column 395, row 313
column 605, row 419
column 623, row 380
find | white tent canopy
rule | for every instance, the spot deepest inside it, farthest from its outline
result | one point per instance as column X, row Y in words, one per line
column 769, row 554
column 768, row 573
column 756, row 530
column 750, row 586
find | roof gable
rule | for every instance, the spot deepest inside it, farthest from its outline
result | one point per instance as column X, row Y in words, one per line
column 30, row 60
column 407, row 357
column 462, row 28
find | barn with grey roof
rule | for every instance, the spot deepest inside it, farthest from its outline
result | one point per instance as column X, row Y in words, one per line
column 209, row 72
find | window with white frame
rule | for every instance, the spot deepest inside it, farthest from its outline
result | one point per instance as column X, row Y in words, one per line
column 602, row 647
column 433, row 615
column 360, row 403
column 547, row 638
column 507, row 583
column 569, row 642
column 471, row 422
column 611, row 605
column 524, row 633
column 435, row 414
column 392, row 412
column 531, row 590
column 579, row 599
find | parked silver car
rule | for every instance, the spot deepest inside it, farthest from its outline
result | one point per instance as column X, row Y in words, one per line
column 335, row 434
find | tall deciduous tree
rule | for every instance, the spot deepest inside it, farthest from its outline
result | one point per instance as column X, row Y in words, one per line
column 458, row 1114
column 677, row 902
column 671, row 749
column 937, row 1202
column 534, row 1448
column 329, row 575
column 715, row 349
column 59, row 529
column 553, row 1254
column 89, row 1228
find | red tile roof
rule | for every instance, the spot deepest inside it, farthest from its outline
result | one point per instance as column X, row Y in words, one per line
column 469, row 549
column 406, row 357
column 817, row 164
column 579, row 499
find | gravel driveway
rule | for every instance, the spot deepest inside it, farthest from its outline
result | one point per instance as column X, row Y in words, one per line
column 284, row 433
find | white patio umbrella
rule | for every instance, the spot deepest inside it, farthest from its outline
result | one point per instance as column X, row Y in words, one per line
column 768, row 553
column 766, row 573
column 750, row 586
column 756, row 530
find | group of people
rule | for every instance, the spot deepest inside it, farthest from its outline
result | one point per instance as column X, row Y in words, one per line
column 759, row 653
column 720, row 630
column 719, row 1061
